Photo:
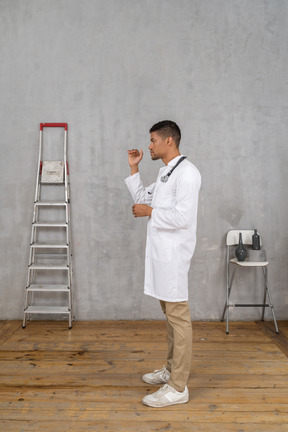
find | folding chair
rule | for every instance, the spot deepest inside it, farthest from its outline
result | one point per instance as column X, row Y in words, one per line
column 232, row 239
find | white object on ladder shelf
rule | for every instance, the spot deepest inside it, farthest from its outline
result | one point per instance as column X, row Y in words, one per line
column 49, row 279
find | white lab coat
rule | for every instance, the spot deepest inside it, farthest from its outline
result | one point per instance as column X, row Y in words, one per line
column 171, row 230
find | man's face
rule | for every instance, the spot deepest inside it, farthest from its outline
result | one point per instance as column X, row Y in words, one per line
column 158, row 146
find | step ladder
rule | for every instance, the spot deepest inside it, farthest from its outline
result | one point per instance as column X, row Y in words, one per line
column 49, row 279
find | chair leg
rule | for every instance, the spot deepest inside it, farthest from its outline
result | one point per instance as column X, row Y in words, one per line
column 226, row 307
column 226, row 312
column 264, row 302
column 265, row 294
column 270, row 301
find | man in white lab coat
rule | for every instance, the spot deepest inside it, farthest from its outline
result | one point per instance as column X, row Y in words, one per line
column 171, row 206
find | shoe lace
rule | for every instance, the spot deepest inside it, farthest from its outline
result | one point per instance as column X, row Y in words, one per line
column 162, row 371
column 163, row 389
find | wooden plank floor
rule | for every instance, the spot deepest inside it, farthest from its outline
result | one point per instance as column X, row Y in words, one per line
column 89, row 378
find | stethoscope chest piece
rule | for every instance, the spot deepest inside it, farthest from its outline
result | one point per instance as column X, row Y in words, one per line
column 165, row 178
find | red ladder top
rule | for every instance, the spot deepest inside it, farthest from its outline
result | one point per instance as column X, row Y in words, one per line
column 42, row 125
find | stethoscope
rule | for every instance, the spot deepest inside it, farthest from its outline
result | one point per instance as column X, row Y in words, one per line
column 165, row 178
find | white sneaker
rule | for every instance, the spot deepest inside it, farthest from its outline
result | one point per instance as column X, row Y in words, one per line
column 160, row 376
column 166, row 396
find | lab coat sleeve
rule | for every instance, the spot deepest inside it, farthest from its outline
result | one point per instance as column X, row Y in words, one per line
column 184, row 214
column 140, row 194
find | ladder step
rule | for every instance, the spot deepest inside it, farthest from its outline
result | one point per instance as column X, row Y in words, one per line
column 48, row 267
column 49, row 288
column 50, row 224
column 46, row 245
column 50, row 256
column 47, row 310
column 55, row 183
column 50, row 203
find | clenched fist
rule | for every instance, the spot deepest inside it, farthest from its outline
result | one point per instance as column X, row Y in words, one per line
column 141, row 210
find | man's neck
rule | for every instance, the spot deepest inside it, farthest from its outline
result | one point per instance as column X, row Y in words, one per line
column 170, row 156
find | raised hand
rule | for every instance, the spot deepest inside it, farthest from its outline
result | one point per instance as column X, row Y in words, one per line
column 134, row 157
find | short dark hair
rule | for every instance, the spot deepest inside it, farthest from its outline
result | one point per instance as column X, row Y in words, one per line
column 167, row 128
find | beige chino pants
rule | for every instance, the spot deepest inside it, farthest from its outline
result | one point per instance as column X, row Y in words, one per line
column 179, row 339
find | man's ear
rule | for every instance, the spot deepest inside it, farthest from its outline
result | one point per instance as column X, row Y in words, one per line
column 169, row 141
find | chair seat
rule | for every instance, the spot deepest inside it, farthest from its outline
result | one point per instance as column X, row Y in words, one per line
column 249, row 263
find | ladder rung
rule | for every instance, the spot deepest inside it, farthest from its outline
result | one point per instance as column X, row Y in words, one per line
column 52, row 183
column 48, row 267
column 50, row 224
column 49, row 288
column 50, row 256
column 47, row 310
column 47, row 245
column 50, row 203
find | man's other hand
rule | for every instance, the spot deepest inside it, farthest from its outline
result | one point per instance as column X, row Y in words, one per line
column 141, row 210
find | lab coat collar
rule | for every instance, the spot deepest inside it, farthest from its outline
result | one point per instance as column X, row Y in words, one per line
column 174, row 161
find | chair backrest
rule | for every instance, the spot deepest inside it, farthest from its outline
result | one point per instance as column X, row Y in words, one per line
column 232, row 237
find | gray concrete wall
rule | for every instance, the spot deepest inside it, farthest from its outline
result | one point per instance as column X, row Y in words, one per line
column 111, row 69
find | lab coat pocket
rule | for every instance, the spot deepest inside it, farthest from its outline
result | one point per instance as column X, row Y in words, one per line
column 162, row 246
